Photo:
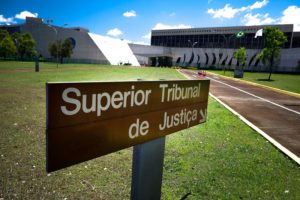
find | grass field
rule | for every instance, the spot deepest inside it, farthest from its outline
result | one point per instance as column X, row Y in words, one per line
column 287, row 82
column 221, row 159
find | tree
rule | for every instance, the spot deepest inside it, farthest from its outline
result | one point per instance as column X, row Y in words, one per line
column 3, row 34
column 7, row 47
column 66, row 50
column 25, row 45
column 241, row 56
column 21, row 43
column 61, row 50
column 53, row 48
column 274, row 40
column 16, row 37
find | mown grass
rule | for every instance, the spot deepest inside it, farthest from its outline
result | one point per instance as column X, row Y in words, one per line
column 221, row 159
column 289, row 82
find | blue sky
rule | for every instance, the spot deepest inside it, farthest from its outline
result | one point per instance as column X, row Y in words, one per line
column 133, row 20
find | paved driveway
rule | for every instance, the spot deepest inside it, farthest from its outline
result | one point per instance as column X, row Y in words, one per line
column 274, row 115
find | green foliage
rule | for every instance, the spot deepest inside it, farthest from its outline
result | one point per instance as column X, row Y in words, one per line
column 21, row 44
column 241, row 55
column 25, row 45
column 3, row 34
column 7, row 47
column 66, row 49
column 61, row 49
column 53, row 49
column 274, row 38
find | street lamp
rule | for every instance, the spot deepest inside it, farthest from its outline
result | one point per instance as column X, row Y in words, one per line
column 226, row 44
column 192, row 45
column 56, row 33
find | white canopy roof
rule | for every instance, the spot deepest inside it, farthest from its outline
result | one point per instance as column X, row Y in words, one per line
column 115, row 50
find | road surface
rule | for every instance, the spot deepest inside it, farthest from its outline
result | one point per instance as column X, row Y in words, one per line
column 274, row 115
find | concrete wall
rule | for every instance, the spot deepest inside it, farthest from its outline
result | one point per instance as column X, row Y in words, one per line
column 149, row 50
column 216, row 57
column 144, row 52
column 85, row 49
column 289, row 60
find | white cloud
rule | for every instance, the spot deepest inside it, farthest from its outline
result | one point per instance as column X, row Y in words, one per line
column 6, row 20
column 291, row 15
column 257, row 19
column 228, row 12
column 147, row 36
column 131, row 13
column 160, row 26
column 24, row 14
column 258, row 4
column 114, row 32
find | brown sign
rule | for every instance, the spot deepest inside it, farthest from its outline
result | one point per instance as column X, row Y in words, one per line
column 91, row 119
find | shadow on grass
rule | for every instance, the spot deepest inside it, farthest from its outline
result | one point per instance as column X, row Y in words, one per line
column 265, row 79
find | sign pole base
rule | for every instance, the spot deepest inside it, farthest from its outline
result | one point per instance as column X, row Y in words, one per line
column 147, row 169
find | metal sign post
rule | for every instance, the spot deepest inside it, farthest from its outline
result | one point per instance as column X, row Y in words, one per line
column 147, row 170
column 92, row 119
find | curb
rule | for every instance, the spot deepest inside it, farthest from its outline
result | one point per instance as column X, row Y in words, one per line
column 261, row 132
column 255, row 128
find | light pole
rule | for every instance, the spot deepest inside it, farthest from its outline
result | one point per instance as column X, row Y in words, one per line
column 56, row 33
column 226, row 44
column 192, row 45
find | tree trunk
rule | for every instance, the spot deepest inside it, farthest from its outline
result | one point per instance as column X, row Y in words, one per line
column 269, row 79
column 271, row 67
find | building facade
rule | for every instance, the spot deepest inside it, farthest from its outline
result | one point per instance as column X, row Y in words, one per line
column 214, row 47
column 199, row 47
column 87, row 47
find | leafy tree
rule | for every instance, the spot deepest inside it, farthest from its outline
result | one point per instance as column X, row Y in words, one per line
column 274, row 39
column 3, row 34
column 66, row 49
column 26, row 45
column 61, row 50
column 54, row 49
column 7, row 47
column 16, row 37
column 241, row 56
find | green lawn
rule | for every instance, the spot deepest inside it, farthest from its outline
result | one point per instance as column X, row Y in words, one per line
column 287, row 82
column 221, row 159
